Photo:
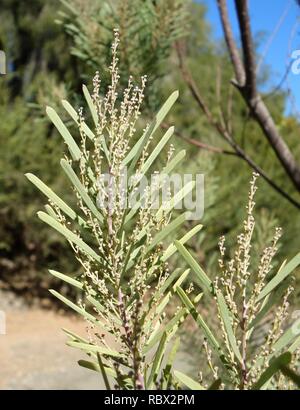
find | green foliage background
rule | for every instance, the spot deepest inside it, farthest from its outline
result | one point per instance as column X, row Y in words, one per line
column 52, row 47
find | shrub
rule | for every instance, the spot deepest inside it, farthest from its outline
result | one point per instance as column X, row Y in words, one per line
column 248, row 299
column 126, row 283
column 125, row 279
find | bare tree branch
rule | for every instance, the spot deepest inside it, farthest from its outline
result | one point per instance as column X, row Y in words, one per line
column 223, row 132
column 248, row 50
column 232, row 47
column 249, row 92
column 199, row 144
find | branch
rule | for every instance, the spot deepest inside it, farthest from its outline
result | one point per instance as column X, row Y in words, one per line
column 199, row 144
column 242, row 154
column 232, row 47
column 223, row 132
column 248, row 51
column 253, row 100
column 180, row 49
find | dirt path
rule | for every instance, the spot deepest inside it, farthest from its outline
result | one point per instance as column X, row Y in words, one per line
column 33, row 354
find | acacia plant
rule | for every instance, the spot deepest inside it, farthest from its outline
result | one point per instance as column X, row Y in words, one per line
column 249, row 300
column 125, row 282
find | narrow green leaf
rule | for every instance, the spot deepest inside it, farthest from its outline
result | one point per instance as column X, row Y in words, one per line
column 66, row 278
column 90, row 104
column 89, row 365
column 173, row 163
column 157, row 361
column 200, row 274
column 74, row 115
column 167, row 372
column 167, row 231
column 187, row 381
column 293, row 376
column 76, row 308
column 103, row 372
column 132, row 254
column 200, row 321
column 95, row 349
column 171, row 292
column 64, row 132
column 196, row 316
column 74, row 336
column 285, row 340
column 134, row 154
column 169, row 168
column 281, row 275
column 80, row 189
column 50, row 211
column 51, row 195
column 271, row 300
column 172, row 248
column 225, row 315
column 173, row 323
column 273, row 368
column 94, row 113
column 169, row 281
column 79, row 285
column 69, row 235
column 157, row 150
column 169, row 205
column 95, row 367
column 294, row 346
column 175, row 200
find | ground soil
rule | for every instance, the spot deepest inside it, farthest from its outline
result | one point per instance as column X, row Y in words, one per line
column 33, row 353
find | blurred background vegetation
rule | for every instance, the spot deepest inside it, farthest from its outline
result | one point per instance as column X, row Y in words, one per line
column 53, row 47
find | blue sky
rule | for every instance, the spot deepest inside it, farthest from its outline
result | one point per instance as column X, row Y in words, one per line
column 266, row 15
